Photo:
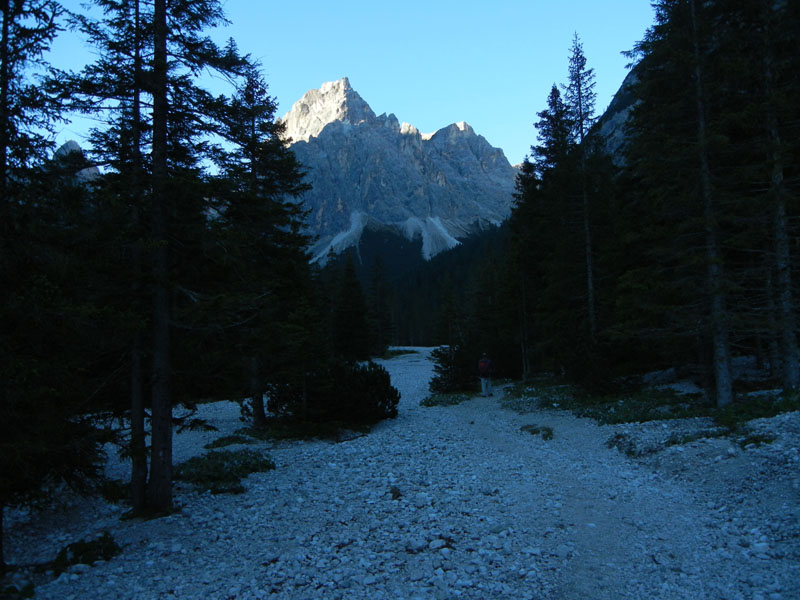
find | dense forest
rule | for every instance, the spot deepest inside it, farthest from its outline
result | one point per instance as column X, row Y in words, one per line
column 678, row 248
column 169, row 264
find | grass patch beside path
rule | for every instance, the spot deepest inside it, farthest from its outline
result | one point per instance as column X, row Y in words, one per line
column 748, row 408
column 637, row 406
column 541, row 392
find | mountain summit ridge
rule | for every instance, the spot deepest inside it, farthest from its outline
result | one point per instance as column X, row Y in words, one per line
column 333, row 101
column 370, row 170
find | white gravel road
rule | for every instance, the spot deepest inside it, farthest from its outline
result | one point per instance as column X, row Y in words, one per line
column 455, row 502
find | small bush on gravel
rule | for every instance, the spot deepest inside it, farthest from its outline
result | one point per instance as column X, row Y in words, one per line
column 222, row 471
column 455, row 371
column 444, row 399
column 277, row 429
column 544, row 431
column 114, row 490
column 624, row 443
column 86, row 552
column 688, row 438
column 346, row 393
column 756, row 439
column 17, row 591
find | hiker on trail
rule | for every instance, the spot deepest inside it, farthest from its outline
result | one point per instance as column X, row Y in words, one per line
column 485, row 372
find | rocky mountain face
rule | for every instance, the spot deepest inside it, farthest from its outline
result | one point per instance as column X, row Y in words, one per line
column 611, row 124
column 371, row 171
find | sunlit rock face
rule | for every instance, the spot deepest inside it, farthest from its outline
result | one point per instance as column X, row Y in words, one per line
column 372, row 171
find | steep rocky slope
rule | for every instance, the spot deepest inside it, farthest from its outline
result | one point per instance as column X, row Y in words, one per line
column 370, row 170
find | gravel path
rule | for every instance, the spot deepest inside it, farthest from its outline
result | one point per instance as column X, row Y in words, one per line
column 456, row 502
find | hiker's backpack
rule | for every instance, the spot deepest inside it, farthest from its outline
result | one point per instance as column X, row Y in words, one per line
column 484, row 367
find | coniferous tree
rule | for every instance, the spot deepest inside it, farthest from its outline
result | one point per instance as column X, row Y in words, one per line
column 580, row 100
column 263, row 251
column 350, row 327
column 779, row 29
column 680, row 189
column 546, row 240
column 114, row 87
column 154, row 51
column 378, row 300
column 44, row 436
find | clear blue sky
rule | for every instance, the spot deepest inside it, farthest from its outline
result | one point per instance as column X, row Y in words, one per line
column 431, row 62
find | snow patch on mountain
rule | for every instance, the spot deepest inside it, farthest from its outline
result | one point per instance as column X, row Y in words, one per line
column 344, row 239
column 435, row 237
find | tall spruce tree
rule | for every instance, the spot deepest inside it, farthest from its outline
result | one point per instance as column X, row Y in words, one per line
column 259, row 242
column 779, row 30
column 150, row 55
column 114, row 89
column 674, row 153
column 580, row 100
column 547, row 241
column 351, row 332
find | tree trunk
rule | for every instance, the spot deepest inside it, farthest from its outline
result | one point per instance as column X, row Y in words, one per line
column 2, row 547
column 257, row 393
column 524, row 338
column 719, row 314
column 587, row 233
column 773, row 348
column 159, row 491
column 5, row 82
column 138, row 437
column 787, row 324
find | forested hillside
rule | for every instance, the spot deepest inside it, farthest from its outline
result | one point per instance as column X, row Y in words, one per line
column 680, row 250
column 173, row 271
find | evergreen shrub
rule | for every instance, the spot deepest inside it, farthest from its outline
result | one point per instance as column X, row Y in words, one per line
column 455, row 370
column 543, row 430
column 86, row 552
column 222, row 471
column 351, row 393
column 444, row 399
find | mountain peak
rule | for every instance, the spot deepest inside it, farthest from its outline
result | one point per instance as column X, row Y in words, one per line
column 371, row 172
column 333, row 101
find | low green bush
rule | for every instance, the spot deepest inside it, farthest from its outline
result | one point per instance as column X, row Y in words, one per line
column 545, row 431
column 17, row 591
column 86, row 552
column 228, row 440
column 443, row 399
column 287, row 428
column 222, row 471
column 341, row 393
column 756, row 439
column 114, row 490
